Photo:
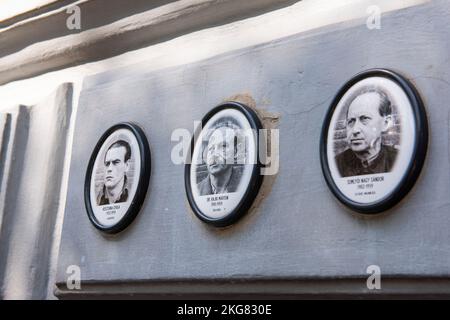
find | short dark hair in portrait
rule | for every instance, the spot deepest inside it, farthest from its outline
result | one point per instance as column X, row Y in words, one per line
column 116, row 166
column 368, row 133
column 122, row 143
column 219, row 171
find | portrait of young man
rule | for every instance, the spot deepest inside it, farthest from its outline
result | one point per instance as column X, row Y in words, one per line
column 116, row 164
column 368, row 117
column 221, row 154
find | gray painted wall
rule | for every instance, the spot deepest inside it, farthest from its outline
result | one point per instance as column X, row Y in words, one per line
column 299, row 231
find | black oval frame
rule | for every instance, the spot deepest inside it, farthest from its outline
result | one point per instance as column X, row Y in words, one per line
column 144, row 178
column 419, row 151
column 256, row 178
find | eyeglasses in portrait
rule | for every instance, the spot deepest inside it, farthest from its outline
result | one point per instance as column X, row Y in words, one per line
column 223, row 179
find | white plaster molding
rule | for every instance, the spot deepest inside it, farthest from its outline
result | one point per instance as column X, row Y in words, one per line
column 33, row 194
column 175, row 19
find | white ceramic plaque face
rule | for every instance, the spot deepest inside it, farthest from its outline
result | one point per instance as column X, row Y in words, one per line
column 371, row 139
column 115, row 177
column 223, row 159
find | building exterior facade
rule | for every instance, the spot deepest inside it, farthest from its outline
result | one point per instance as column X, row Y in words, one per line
column 69, row 70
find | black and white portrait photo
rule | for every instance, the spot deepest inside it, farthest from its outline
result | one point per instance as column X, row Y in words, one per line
column 116, row 165
column 224, row 164
column 373, row 140
column 370, row 128
column 116, row 173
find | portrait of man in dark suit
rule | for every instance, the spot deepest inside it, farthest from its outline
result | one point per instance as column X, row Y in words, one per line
column 221, row 154
column 369, row 115
column 116, row 163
